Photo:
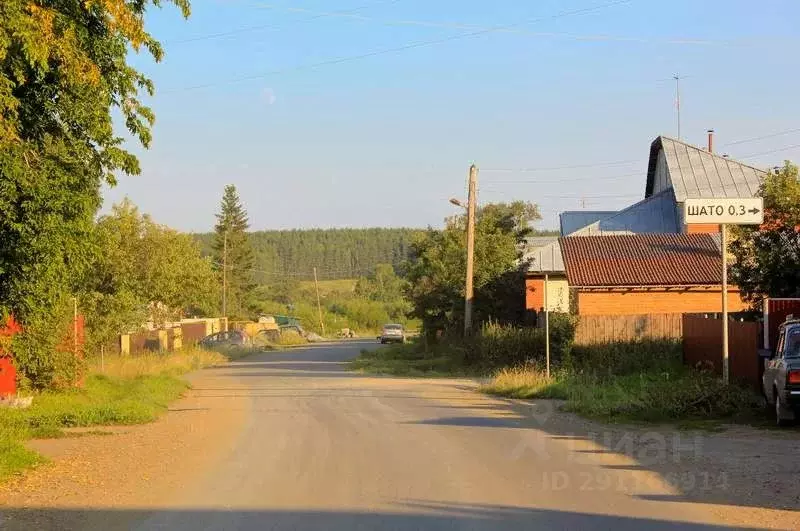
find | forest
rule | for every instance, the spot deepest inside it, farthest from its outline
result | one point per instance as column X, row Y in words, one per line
column 336, row 253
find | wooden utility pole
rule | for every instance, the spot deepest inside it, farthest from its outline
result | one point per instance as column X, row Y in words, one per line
column 75, row 326
column 469, row 294
column 725, row 364
column 319, row 306
column 546, row 325
column 225, row 275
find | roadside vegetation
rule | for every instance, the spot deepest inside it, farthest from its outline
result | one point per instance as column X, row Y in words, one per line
column 129, row 390
column 643, row 381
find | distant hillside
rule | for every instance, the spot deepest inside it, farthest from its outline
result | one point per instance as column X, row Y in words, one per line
column 336, row 253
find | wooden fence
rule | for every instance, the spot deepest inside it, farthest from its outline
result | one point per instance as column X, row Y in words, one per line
column 597, row 329
column 702, row 346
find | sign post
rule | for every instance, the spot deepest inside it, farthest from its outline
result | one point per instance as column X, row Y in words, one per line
column 724, row 212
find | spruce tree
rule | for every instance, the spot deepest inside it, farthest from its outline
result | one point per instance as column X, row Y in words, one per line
column 232, row 249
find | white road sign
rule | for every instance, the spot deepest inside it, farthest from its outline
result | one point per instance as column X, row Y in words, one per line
column 740, row 211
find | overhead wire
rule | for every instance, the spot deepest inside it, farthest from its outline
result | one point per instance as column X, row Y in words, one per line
column 409, row 46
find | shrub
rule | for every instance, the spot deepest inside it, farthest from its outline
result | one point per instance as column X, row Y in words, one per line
column 626, row 357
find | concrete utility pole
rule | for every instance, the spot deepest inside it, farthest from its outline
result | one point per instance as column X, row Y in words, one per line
column 469, row 294
column 319, row 306
column 225, row 275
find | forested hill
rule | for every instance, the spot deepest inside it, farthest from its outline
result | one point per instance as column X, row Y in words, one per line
column 336, row 253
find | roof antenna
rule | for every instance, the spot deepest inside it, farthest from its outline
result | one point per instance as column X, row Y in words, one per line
column 677, row 79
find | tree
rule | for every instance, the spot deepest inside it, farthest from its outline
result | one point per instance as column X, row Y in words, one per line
column 63, row 73
column 143, row 271
column 767, row 258
column 232, row 251
column 437, row 267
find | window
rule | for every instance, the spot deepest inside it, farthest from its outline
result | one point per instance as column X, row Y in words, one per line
column 792, row 343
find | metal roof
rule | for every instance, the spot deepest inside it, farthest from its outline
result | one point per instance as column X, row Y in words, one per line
column 574, row 220
column 655, row 214
column 696, row 173
column 545, row 259
column 642, row 260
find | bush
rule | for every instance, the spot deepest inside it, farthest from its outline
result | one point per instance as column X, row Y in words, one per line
column 626, row 357
column 506, row 346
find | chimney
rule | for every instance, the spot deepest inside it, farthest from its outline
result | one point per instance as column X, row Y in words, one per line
column 711, row 141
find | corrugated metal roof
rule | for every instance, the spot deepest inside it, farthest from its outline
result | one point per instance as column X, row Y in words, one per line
column 696, row 173
column 655, row 214
column 642, row 260
column 574, row 220
column 546, row 259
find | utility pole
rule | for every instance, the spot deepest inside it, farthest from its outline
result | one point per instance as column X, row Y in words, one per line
column 678, row 101
column 225, row 274
column 75, row 326
column 468, row 291
column 546, row 326
column 319, row 306
column 725, row 364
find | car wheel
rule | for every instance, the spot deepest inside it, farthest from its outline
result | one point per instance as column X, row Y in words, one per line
column 784, row 416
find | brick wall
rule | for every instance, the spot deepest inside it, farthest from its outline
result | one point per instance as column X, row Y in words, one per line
column 702, row 228
column 662, row 301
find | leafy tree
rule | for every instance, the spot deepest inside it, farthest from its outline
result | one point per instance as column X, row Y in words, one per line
column 233, row 251
column 63, row 71
column 437, row 267
column 767, row 258
column 143, row 271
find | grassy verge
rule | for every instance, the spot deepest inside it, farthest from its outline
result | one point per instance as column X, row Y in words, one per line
column 411, row 359
column 678, row 394
column 131, row 390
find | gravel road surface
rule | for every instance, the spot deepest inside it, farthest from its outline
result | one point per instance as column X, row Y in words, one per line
column 291, row 441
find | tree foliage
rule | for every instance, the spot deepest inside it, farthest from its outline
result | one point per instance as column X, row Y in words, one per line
column 233, row 254
column 336, row 253
column 143, row 272
column 437, row 267
column 63, row 73
column 767, row 258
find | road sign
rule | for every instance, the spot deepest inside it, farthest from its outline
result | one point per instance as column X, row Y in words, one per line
column 738, row 211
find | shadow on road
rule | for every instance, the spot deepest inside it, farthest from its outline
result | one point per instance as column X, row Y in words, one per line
column 413, row 517
column 702, row 467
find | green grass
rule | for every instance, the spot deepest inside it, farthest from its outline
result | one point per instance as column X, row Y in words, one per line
column 677, row 394
column 132, row 391
column 410, row 359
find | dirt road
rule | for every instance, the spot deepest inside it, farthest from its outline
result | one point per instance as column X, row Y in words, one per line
column 292, row 441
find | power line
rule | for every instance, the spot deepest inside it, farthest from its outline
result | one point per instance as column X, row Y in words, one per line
column 472, row 27
column 556, row 168
column 557, row 181
column 624, row 162
column 755, row 139
column 410, row 46
column 249, row 29
column 787, row 148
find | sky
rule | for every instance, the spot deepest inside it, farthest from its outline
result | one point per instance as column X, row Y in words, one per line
column 356, row 113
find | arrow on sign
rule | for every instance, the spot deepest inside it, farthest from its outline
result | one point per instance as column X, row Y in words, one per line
column 754, row 211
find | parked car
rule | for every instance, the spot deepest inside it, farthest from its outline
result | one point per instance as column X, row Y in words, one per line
column 231, row 338
column 781, row 380
column 392, row 333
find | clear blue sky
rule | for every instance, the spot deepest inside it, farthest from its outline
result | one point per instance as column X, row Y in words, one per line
column 384, row 140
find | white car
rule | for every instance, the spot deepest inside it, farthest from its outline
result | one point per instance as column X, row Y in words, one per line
column 392, row 333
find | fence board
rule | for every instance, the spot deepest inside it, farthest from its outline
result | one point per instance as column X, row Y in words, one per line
column 702, row 346
column 597, row 329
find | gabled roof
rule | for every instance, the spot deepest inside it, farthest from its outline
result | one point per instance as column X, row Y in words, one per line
column 573, row 220
column 642, row 260
column 655, row 214
column 696, row 173
column 545, row 259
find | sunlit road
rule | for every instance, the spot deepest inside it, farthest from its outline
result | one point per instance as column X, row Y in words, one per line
column 322, row 448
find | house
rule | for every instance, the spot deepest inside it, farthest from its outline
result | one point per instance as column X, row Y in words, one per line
column 676, row 171
column 646, row 273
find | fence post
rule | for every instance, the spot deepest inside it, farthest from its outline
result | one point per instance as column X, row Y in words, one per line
column 125, row 345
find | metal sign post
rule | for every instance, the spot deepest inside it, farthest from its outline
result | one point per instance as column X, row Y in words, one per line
column 546, row 326
column 724, row 212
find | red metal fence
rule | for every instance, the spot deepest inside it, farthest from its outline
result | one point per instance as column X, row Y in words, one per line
column 775, row 313
column 702, row 345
